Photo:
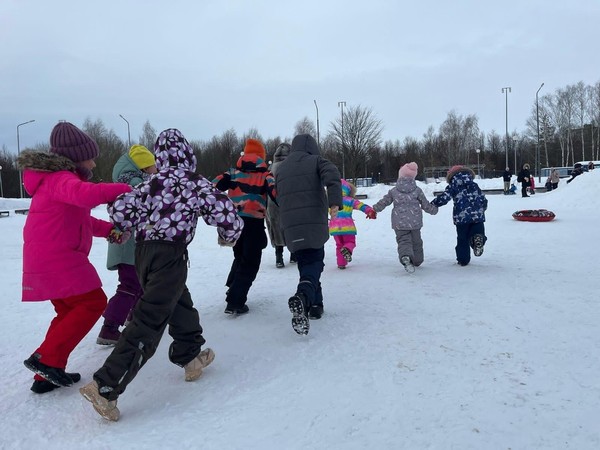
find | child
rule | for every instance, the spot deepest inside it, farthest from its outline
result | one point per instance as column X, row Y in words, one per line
column 342, row 227
column 132, row 168
column 248, row 185
column 164, row 211
column 407, row 216
column 57, row 241
column 468, row 214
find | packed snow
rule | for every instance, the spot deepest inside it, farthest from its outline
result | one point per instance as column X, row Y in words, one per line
column 500, row 354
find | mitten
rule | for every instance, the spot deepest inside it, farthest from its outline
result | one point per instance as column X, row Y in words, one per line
column 333, row 211
column 117, row 236
column 223, row 243
column 371, row 214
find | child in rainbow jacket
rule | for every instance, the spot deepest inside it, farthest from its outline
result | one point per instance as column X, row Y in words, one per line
column 342, row 227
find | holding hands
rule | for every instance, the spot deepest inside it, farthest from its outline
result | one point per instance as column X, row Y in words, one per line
column 117, row 236
column 371, row 214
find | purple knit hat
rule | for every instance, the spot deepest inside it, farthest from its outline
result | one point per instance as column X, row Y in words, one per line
column 69, row 141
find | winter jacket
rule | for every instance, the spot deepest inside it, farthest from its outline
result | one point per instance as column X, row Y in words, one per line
column 248, row 185
column 124, row 171
column 59, row 227
column 343, row 223
column 506, row 175
column 554, row 176
column 524, row 177
column 303, row 202
column 166, row 206
column 469, row 202
column 409, row 202
column 273, row 216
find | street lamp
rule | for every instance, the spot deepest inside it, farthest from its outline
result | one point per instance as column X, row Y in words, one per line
column 537, row 149
column 515, row 142
column 506, row 90
column 478, row 169
column 318, row 144
column 342, row 104
column 1, row 188
column 128, row 133
column 19, row 153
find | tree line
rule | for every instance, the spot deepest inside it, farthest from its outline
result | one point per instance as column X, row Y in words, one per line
column 569, row 131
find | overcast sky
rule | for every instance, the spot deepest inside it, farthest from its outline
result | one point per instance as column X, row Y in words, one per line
column 206, row 66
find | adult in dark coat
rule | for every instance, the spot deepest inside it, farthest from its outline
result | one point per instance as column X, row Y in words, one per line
column 577, row 170
column 525, row 179
column 303, row 203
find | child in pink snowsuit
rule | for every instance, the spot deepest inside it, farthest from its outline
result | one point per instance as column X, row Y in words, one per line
column 342, row 227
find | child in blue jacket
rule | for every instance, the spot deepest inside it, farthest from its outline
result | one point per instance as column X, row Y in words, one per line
column 468, row 214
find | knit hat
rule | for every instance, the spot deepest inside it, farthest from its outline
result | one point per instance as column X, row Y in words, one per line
column 69, row 141
column 141, row 156
column 408, row 170
column 254, row 147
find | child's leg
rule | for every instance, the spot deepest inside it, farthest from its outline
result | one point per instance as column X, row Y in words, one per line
column 128, row 293
column 186, row 331
column 75, row 318
column 474, row 230
column 350, row 242
column 405, row 245
column 339, row 243
column 463, row 250
column 417, row 243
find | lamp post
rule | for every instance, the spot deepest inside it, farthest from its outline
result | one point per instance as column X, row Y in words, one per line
column 478, row 169
column 506, row 90
column 128, row 133
column 537, row 149
column 19, row 153
column 342, row 104
column 317, row 108
column 515, row 142
column 1, row 188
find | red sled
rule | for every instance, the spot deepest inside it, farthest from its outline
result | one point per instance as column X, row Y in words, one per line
column 534, row 215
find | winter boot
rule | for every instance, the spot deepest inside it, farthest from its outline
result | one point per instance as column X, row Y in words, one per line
column 297, row 305
column 54, row 375
column 43, row 386
column 109, row 333
column 478, row 243
column 341, row 267
column 407, row 263
column 347, row 254
column 293, row 259
column 315, row 312
column 106, row 408
column 236, row 311
column 193, row 369
column 279, row 262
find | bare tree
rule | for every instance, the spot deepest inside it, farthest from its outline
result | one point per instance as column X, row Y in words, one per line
column 361, row 133
column 580, row 111
column 148, row 136
column 305, row 126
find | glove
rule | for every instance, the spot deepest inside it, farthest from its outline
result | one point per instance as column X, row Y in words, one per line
column 117, row 236
column 371, row 214
column 223, row 243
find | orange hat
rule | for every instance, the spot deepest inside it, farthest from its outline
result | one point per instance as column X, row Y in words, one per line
column 254, row 147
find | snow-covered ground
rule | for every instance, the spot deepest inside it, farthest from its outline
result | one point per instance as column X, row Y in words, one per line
column 499, row 354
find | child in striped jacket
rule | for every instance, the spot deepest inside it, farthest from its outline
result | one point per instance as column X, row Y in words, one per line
column 342, row 227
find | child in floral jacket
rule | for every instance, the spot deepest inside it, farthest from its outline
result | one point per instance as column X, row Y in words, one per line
column 164, row 211
column 468, row 214
column 342, row 227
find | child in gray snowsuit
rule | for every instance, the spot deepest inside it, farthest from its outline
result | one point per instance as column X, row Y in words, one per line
column 407, row 216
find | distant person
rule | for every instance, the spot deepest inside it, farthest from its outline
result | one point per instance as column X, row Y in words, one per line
column 532, row 186
column 506, row 177
column 342, row 226
column 273, row 217
column 57, row 238
column 554, row 179
column 132, row 168
column 591, row 166
column 407, row 215
column 524, row 178
column 577, row 170
column 303, row 203
column 468, row 213
column 248, row 184
column 164, row 212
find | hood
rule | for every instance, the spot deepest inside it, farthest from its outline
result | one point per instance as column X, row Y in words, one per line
column 37, row 166
column 348, row 189
column 460, row 170
column 282, row 151
column 124, row 164
column 305, row 143
column 405, row 184
column 173, row 150
column 251, row 162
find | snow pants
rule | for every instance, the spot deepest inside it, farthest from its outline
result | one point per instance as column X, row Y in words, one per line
column 162, row 271
column 128, row 293
column 310, row 267
column 75, row 317
column 464, row 236
column 343, row 240
column 410, row 244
